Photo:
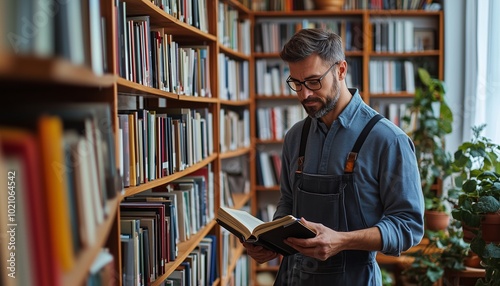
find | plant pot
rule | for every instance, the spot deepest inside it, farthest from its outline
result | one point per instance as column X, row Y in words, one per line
column 472, row 260
column 490, row 227
column 469, row 232
column 436, row 221
column 329, row 4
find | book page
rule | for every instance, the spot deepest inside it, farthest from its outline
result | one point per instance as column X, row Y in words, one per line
column 286, row 220
column 243, row 219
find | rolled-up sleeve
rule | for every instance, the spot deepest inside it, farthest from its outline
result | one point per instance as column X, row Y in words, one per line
column 401, row 226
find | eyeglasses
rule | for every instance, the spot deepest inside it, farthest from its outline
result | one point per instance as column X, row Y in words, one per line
column 311, row 84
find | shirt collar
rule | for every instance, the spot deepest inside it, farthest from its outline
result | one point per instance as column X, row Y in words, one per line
column 347, row 115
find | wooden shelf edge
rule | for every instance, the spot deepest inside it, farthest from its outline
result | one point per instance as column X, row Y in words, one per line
column 235, row 153
column 193, row 98
column 235, row 102
column 30, row 68
column 233, row 53
column 126, row 87
column 129, row 191
column 237, row 252
column 184, row 248
column 87, row 256
column 158, row 17
column 240, row 200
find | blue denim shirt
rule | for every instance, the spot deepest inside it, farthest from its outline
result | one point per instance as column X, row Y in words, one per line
column 386, row 172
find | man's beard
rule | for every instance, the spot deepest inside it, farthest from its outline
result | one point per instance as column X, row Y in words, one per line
column 329, row 105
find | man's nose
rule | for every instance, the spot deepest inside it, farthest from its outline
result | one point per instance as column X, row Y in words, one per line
column 305, row 92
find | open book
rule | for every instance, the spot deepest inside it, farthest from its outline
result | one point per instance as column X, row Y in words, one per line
column 267, row 234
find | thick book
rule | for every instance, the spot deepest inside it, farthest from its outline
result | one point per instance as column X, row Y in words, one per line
column 270, row 235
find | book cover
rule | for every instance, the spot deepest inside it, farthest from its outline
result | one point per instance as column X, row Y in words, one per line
column 50, row 134
column 267, row 234
column 26, row 185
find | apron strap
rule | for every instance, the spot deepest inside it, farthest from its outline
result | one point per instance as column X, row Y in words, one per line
column 303, row 142
column 353, row 155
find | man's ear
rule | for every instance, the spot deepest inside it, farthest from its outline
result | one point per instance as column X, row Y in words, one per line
column 342, row 70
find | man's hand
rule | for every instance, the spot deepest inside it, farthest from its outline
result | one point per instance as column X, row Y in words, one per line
column 259, row 253
column 325, row 244
column 329, row 242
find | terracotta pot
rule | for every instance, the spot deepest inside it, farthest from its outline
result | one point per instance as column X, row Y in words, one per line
column 469, row 233
column 490, row 227
column 328, row 4
column 435, row 220
column 472, row 260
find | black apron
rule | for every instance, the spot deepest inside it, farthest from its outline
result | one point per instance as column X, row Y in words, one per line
column 332, row 200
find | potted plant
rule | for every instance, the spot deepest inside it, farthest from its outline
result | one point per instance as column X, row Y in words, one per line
column 446, row 251
column 429, row 119
column 477, row 168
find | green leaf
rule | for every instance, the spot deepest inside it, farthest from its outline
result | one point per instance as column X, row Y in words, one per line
column 487, row 204
column 424, row 77
column 469, row 186
column 492, row 251
column 434, row 274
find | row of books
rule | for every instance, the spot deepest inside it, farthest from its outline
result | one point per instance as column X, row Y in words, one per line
column 102, row 270
column 234, row 129
column 280, row 5
column 272, row 34
column 158, row 143
column 73, row 30
column 233, row 78
column 193, row 12
column 58, row 161
column 391, row 76
column 388, row 4
column 151, row 57
column 397, row 112
column 155, row 221
column 268, row 168
column 294, row 5
column 199, row 267
column 233, row 32
column 241, row 273
column 274, row 122
column 271, row 76
column 400, row 36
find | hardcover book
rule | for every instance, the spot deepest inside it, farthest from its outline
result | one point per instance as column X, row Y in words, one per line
column 270, row 235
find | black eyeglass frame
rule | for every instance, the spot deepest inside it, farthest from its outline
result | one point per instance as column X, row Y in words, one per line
column 289, row 81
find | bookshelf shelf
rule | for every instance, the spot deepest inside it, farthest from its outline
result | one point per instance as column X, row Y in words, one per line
column 432, row 53
column 131, row 88
column 392, row 95
column 130, row 191
column 235, row 102
column 276, row 97
column 87, row 256
column 235, row 153
column 235, row 254
column 240, row 200
column 50, row 71
column 184, row 248
column 195, row 99
column 267, row 189
column 233, row 53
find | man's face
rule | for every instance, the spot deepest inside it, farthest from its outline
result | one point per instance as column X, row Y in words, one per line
column 320, row 102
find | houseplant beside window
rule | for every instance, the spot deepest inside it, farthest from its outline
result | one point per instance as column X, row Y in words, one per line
column 429, row 120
